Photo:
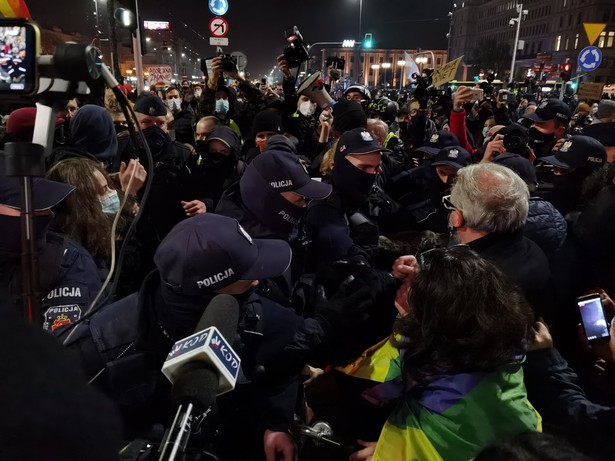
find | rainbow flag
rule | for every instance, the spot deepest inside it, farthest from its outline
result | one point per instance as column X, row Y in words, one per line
column 379, row 363
column 456, row 416
column 14, row 9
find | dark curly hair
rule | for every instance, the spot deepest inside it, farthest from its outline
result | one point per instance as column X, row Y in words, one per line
column 80, row 215
column 465, row 316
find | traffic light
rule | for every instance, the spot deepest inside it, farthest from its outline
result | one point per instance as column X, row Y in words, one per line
column 565, row 71
column 368, row 41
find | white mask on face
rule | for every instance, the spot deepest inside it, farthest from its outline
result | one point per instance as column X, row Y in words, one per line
column 197, row 93
column 307, row 109
column 175, row 104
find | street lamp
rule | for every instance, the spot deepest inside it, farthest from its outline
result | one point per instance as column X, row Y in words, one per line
column 376, row 67
column 385, row 66
column 518, row 19
column 420, row 61
column 401, row 64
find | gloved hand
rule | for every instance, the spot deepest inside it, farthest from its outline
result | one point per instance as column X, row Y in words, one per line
column 350, row 304
column 356, row 265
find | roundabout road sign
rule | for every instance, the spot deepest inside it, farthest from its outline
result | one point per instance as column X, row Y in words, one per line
column 590, row 58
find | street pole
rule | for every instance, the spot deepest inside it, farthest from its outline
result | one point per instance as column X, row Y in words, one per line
column 136, row 46
column 115, row 61
column 514, row 56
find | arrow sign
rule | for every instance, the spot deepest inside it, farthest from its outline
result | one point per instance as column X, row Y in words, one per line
column 590, row 58
column 218, row 7
column 218, row 27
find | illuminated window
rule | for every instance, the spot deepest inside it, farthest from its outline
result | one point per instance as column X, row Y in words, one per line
column 576, row 42
column 558, row 42
column 609, row 40
column 601, row 40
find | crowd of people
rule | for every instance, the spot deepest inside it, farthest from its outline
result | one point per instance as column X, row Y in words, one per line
column 407, row 271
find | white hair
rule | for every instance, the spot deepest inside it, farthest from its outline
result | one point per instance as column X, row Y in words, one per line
column 491, row 197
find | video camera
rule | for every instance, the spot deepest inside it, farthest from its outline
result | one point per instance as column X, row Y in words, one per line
column 424, row 87
column 48, row 81
column 338, row 64
column 516, row 139
column 296, row 52
column 229, row 63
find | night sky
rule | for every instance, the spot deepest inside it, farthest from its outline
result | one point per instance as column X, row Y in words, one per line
column 257, row 27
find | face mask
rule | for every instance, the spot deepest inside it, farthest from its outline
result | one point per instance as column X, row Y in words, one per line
column 222, row 106
column 261, row 143
column 486, row 131
column 353, row 184
column 156, row 139
column 307, row 109
column 110, row 203
column 175, row 104
column 197, row 93
column 540, row 142
column 215, row 159
column 274, row 211
column 11, row 232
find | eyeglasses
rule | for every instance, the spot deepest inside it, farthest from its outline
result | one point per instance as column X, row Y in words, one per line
column 421, row 257
column 446, row 201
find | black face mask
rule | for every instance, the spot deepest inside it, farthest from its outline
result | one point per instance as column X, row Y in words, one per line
column 157, row 139
column 215, row 159
column 11, row 233
column 540, row 142
column 353, row 184
column 267, row 205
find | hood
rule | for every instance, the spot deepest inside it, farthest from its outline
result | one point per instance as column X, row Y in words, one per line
column 92, row 130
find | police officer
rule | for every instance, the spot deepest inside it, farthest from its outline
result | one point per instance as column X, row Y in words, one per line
column 549, row 124
column 68, row 279
column 270, row 201
column 271, row 197
column 125, row 344
column 337, row 232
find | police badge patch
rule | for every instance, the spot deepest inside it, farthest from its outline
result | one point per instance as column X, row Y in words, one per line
column 566, row 146
column 59, row 316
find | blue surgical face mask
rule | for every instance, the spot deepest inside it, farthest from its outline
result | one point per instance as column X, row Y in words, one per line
column 486, row 131
column 222, row 106
column 110, row 203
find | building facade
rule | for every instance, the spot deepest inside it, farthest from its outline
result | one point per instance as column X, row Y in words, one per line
column 550, row 34
column 370, row 70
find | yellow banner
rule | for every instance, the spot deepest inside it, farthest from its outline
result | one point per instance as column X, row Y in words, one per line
column 446, row 73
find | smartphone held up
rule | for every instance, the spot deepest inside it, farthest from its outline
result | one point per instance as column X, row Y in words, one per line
column 594, row 320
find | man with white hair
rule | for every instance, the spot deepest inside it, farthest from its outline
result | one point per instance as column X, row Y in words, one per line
column 488, row 208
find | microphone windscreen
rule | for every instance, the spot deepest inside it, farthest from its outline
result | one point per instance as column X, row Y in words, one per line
column 196, row 384
column 223, row 313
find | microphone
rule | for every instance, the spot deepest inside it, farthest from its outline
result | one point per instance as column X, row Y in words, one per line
column 209, row 345
column 200, row 367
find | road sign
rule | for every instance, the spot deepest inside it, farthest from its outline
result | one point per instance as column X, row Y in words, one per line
column 218, row 41
column 218, row 27
column 242, row 60
column 593, row 30
column 590, row 58
column 218, row 7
